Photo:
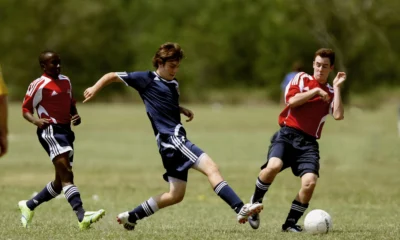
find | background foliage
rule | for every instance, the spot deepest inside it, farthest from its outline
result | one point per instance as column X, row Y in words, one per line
column 231, row 45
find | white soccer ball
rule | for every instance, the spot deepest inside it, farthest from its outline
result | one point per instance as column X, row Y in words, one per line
column 317, row 221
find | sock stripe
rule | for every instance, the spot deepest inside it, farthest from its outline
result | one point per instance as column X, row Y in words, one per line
column 262, row 185
column 298, row 208
column 220, row 186
column 146, row 209
column 70, row 192
column 50, row 188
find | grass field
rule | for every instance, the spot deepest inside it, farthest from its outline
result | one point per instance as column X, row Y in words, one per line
column 117, row 160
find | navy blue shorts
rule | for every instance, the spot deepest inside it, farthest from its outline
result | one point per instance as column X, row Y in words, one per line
column 178, row 155
column 57, row 139
column 296, row 149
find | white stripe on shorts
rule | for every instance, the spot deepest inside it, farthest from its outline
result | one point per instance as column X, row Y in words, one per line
column 55, row 148
column 184, row 150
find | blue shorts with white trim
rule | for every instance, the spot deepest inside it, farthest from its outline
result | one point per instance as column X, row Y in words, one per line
column 178, row 155
column 57, row 139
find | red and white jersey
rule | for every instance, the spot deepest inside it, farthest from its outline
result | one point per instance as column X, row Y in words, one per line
column 309, row 117
column 52, row 98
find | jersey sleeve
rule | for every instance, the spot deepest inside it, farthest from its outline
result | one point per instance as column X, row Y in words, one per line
column 294, row 87
column 31, row 100
column 137, row 80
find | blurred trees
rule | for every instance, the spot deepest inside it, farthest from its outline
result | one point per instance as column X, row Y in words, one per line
column 229, row 44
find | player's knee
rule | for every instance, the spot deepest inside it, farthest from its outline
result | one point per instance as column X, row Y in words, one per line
column 309, row 186
column 274, row 165
column 176, row 197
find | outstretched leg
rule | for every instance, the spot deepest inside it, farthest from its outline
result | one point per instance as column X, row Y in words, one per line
column 176, row 193
column 208, row 167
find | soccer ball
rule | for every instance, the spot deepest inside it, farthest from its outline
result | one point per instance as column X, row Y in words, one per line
column 318, row 221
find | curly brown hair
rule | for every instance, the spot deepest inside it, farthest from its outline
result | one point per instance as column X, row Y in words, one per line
column 167, row 52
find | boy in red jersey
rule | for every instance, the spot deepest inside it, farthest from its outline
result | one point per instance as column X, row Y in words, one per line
column 51, row 97
column 309, row 99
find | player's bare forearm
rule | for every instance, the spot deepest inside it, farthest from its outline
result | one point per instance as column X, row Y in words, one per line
column 3, row 115
column 29, row 117
column 301, row 98
column 338, row 109
column 106, row 79
column 102, row 82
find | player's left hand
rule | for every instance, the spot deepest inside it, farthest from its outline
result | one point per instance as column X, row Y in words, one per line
column 188, row 113
column 339, row 79
column 76, row 120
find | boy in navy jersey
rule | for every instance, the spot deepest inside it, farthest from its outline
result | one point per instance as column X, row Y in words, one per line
column 309, row 100
column 159, row 91
column 51, row 96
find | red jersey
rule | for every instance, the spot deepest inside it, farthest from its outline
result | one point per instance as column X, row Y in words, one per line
column 309, row 117
column 52, row 99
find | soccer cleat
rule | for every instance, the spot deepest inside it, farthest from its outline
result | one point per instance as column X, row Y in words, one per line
column 254, row 220
column 291, row 228
column 247, row 210
column 122, row 218
column 26, row 214
column 91, row 217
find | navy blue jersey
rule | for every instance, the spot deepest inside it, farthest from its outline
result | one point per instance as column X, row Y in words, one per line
column 161, row 98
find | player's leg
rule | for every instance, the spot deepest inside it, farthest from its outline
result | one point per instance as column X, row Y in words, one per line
column 72, row 194
column 274, row 164
column 208, row 167
column 307, row 167
column 50, row 191
column 176, row 193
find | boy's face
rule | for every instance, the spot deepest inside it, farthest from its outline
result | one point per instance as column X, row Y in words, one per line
column 169, row 69
column 52, row 65
column 322, row 68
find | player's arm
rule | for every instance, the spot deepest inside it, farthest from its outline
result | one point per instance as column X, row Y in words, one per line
column 28, row 107
column 101, row 83
column 187, row 112
column 75, row 118
column 300, row 98
column 338, row 109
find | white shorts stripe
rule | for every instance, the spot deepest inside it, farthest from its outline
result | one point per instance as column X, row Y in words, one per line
column 54, row 147
column 184, row 149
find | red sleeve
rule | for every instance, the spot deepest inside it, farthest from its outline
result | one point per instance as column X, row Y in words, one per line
column 293, row 86
column 28, row 104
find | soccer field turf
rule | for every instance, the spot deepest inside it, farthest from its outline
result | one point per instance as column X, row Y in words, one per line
column 117, row 167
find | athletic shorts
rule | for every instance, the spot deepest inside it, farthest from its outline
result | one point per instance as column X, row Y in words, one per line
column 57, row 139
column 296, row 149
column 178, row 155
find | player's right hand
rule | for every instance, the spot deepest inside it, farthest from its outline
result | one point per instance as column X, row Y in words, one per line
column 89, row 94
column 324, row 95
column 42, row 123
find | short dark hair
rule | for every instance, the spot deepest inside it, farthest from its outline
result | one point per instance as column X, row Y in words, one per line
column 326, row 53
column 167, row 52
column 42, row 56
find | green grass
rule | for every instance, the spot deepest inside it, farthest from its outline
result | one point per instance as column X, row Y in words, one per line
column 117, row 159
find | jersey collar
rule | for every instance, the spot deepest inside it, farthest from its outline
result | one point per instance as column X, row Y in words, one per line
column 48, row 76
